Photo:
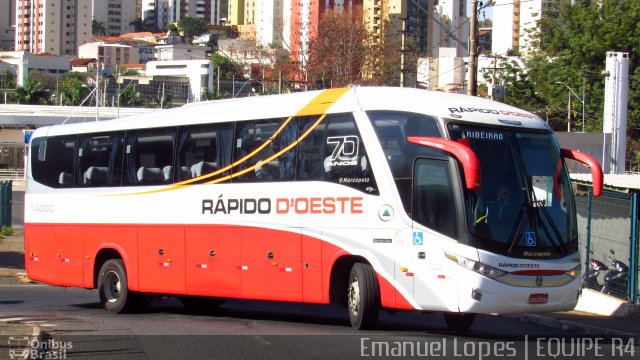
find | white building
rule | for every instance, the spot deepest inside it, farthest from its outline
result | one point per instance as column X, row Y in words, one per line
column 269, row 24
column 115, row 15
column 174, row 52
column 450, row 27
column 24, row 61
column 513, row 21
column 44, row 26
column 199, row 73
column 109, row 55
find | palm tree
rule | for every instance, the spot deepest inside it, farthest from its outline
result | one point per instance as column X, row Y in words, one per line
column 138, row 25
column 98, row 28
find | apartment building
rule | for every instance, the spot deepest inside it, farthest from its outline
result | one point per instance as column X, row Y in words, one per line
column 513, row 22
column 52, row 26
column 7, row 25
column 115, row 15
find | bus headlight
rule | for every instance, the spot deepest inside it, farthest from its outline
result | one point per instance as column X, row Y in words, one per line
column 480, row 268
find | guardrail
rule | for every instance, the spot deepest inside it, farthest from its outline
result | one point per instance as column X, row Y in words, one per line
column 11, row 174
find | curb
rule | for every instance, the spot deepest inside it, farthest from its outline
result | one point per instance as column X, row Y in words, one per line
column 574, row 326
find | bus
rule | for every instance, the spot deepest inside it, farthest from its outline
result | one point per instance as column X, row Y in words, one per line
column 368, row 197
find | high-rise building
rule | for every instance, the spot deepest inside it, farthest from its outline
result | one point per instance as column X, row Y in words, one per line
column 513, row 23
column 116, row 16
column 7, row 22
column 208, row 10
column 52, row 26
column 449, row 28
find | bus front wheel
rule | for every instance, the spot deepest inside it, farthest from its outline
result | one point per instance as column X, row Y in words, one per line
column 459, row 322
column 115, row 296
column 363, row 297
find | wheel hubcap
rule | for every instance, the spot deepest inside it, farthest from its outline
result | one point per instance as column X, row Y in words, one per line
column 354, row 296
column 112, row 286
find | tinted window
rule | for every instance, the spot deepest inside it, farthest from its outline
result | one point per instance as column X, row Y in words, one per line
column 334, row 151
column 263, row 150
column 52, row 160
column 203, row 150
column 148, row 157
column 392, row 129
column 433, row 198
column 99, row 159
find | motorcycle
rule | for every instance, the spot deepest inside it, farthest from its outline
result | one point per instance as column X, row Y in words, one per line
column 595, row 268
column 616, row 281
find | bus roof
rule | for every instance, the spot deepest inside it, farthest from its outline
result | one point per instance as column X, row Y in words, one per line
column 440, row 104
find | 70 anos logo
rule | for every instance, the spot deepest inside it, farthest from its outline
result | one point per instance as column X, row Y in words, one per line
column 345, row 151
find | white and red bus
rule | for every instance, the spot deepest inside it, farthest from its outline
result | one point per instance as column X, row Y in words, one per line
column 374, row 198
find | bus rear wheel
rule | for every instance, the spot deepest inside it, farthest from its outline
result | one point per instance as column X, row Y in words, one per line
column 115, row 296
column 459, row 322
column 363, row 297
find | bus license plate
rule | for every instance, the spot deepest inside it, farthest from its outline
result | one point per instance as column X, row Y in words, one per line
column 538, row 298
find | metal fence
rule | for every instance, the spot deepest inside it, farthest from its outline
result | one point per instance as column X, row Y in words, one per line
column 608, row 235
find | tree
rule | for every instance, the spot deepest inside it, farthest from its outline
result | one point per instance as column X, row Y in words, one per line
column 129, row 97
column 9, row 79
column 72, row 88
column 228, row 68
column 572, row 46
column 192, row 27
column 98, row 28
column 338, row 52
column 33, row 92
column 138, row 25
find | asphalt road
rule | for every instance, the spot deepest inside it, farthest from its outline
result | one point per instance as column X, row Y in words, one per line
column 258, row 330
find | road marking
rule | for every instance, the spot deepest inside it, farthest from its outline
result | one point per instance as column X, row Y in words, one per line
column 262, row 341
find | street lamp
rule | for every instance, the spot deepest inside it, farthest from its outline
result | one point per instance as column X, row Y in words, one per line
column 578, row 97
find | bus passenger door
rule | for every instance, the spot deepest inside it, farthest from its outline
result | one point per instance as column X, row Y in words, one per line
column 213, row 258
column 271, row 264
column 69, row 255
column 40, row 254
column 161, row 256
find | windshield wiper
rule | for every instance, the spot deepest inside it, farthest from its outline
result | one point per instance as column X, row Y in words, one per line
column 517, row 229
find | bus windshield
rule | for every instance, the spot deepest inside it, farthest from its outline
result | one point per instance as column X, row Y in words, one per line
column 524, row 207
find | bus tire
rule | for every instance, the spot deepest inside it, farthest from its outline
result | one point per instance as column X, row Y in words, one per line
column 115, row 296
column 363, row 297
column 459, row 322
column 201, row 304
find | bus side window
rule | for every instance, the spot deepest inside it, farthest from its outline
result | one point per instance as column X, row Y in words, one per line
column 260, row 148
column 99, row 160
column 52, row 160
column 203, row 150
column 433, row 196
column 337, row 154
column 148, row 156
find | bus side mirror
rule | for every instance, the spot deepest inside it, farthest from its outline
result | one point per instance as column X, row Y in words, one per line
column 592, row 163
column 464, row 154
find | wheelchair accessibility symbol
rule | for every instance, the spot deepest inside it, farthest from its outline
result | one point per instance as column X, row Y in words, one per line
column 530, row 238
column 418, row 238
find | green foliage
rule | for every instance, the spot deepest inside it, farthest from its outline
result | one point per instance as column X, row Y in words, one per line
column 572, row 46
column 228, row 68
column 6, row 230
column 192, row 26
column 129, row 97
column 33, row 92
column 72, row 88
column 9, row 79
column 98, row 28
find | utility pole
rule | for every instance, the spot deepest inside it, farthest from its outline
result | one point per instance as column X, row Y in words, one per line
column 402, row 50
column 473, row 55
